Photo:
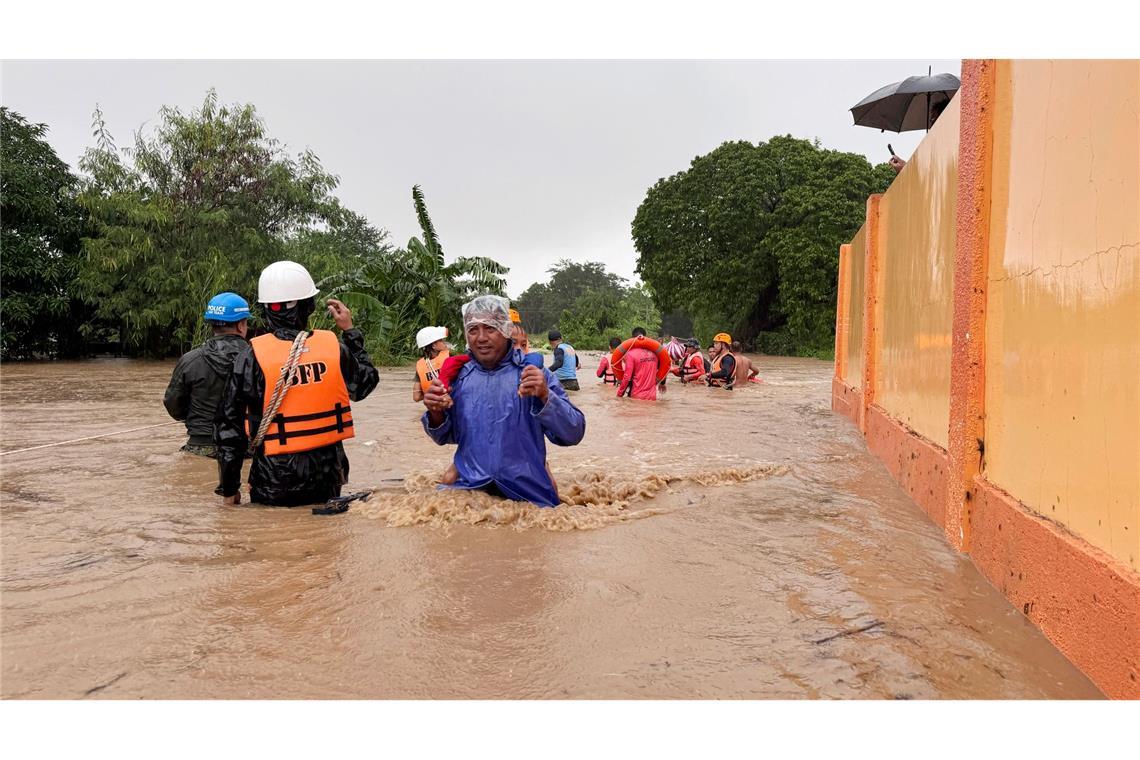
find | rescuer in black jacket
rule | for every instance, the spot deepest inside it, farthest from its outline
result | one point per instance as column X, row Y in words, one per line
column 286, row 469
column 200, row 376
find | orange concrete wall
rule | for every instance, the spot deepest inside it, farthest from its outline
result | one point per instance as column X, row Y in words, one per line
column 855, row 295
column 916, row 268
column 1023, row 440
column 1063, row 307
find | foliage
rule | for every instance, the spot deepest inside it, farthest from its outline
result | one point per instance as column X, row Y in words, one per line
column 587, row 304
column 599, row 315
column 745, row 240
column 199, row 206
column 41, row 225
column 542, row 304
column 396, row 292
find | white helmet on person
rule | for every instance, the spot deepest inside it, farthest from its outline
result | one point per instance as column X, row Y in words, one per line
column 429, row 335
column 285, row 281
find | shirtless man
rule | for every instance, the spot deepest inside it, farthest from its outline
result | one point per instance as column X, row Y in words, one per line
column 745, row 370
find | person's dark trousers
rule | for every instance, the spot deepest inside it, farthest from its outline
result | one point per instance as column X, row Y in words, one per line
column 570, row 385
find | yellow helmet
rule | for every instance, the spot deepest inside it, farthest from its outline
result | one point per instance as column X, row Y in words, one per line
column 515, row 317
column 723, row 338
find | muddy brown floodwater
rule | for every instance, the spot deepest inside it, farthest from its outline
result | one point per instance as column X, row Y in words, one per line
column 713, row 545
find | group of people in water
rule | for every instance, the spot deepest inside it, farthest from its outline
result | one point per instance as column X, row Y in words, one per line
column 284, row 398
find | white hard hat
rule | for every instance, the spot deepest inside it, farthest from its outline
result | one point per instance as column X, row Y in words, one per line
column 429, row 335
column 284, row 281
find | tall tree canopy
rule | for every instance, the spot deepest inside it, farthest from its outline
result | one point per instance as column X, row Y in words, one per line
column 541, row 305
column 745, row 240
column 130, row 253
column 41, row 226
column 588, row 304
column 199, row 206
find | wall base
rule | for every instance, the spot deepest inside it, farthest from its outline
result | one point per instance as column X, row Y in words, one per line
column 1084, row 600
column 917, row 464
column 845, row 400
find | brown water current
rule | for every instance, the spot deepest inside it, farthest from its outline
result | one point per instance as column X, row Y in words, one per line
column 714, row 544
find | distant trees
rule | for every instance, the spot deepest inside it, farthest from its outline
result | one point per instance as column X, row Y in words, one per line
column 541, row 305
column 588, row 305
column 745, row 240
column 128, row 253
column 199, row 206
column 41, row 227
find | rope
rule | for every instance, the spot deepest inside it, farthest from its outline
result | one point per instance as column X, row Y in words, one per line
column 89, row 438
column 279, row 390
column 260, row 432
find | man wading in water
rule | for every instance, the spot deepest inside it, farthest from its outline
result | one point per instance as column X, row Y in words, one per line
column 723, row 370
column 301, row 460
column 501, row 409
column 566, row 361
column 200, row 376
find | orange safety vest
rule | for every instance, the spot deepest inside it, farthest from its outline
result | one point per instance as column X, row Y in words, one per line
column 608, row 376
column 691, row 369
column 422, row 368
column 315, row 411
column 716, row 368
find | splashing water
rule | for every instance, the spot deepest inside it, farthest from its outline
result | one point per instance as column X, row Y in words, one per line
column 590, row 499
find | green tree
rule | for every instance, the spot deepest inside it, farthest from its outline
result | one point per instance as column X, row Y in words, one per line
column 745, row 240
column 400, row 291
column 542, row 304
column 598, row 315
column 347, row 243
column 41, row 226
column 199, row 206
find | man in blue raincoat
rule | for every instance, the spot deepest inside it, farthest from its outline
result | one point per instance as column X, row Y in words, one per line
column 499, row 409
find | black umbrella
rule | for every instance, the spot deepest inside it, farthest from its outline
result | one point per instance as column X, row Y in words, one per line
column 913, row 103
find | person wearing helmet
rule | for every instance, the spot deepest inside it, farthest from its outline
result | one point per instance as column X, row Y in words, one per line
column 566, row 361
column 502, row 408
column 432, row 342
column 723, row 370
column 302, row 459
column 199, row 378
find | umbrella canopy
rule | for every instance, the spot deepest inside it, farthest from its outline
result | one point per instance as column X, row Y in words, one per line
column 913, row 103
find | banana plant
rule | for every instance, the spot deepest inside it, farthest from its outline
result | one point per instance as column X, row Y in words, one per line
column 394, row 293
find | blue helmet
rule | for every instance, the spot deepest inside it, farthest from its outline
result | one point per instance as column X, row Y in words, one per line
column 226, row 307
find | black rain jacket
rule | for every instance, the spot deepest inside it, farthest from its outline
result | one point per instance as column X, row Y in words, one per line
column 196, row 386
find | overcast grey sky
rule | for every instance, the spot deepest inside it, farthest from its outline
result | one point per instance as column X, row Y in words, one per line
column 524, row 161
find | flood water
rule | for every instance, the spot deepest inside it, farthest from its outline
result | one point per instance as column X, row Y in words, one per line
column 713, row 545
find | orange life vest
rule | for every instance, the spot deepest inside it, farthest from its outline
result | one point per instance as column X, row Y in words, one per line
column 315, row 411
column 608, row 376
column 422, row 368
column 716, row 368
column 692, row 368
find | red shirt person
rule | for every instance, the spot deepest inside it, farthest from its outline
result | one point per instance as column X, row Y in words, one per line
column 639, row 367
